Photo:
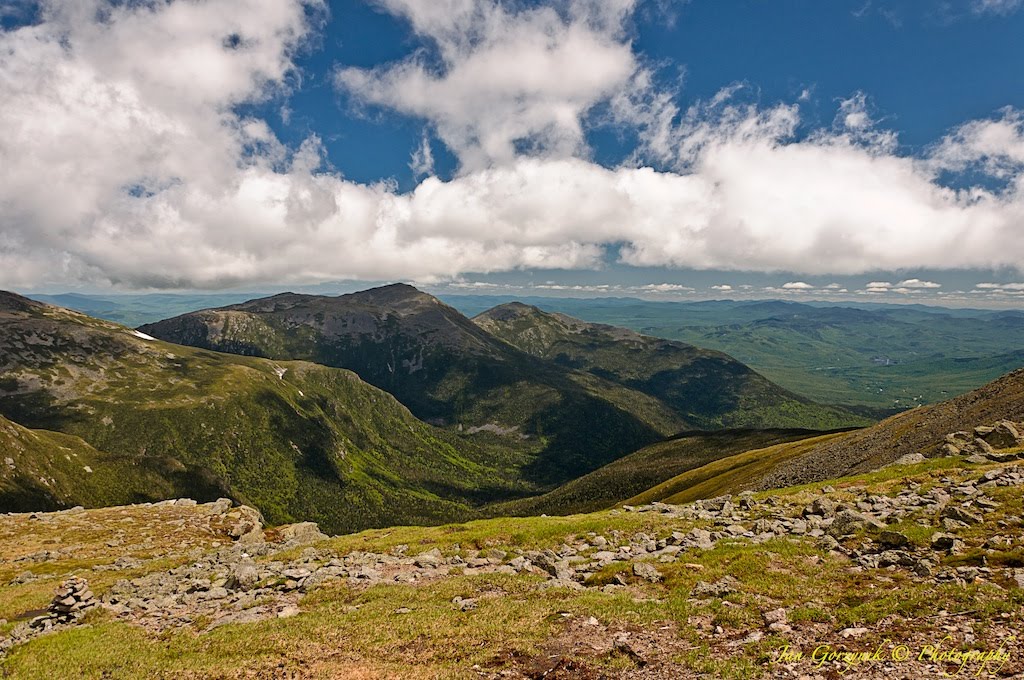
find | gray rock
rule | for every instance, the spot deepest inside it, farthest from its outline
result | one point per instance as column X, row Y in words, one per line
column 1003, row 436
column 217, row 507
column 247, row 524
column 848, row 522
column 946, row 542
column 300, row 533
column 244, row 577
column 430, row 559
column 465, row 604
column 699, row 538
column 720, row 588
column 823, row 507
column 910, row 459
column 1002, row 456
column 647, row 572
column 893, row 539
column 959, row 514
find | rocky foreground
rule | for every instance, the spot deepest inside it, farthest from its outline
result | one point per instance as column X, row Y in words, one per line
column 922, row 556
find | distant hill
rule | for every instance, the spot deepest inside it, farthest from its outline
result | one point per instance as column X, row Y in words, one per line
column 876, row 358
column 451, row 371
column 155, row 420
column 137, row 309
column 707, row 388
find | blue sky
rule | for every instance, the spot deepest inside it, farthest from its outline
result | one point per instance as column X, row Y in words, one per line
column 657, row 148
column 926, row 67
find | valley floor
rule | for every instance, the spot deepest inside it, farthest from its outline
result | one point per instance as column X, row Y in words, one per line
column 918, row 571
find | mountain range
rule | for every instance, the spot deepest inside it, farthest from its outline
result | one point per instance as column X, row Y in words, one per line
column 876, row 359
column 572, row 400
column 389, row 406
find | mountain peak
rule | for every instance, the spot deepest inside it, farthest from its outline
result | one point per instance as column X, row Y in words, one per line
column 391, row 294
column 509, row 311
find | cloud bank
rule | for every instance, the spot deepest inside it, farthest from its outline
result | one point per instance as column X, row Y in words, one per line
column 125, row 160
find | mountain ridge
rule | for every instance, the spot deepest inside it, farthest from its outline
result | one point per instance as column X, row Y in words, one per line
column 445, row 369
column 296, row 439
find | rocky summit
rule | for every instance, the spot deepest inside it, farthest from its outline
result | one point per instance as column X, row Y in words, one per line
column 912, row 555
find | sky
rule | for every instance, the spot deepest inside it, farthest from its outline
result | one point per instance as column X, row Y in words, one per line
column 851, row 149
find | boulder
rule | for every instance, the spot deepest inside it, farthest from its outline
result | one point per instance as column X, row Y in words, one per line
column 647, row 572
column 428, row 560
column 946, row 543
column 1003, row 436
column 822, row 507
column 893, row 539
column 299, row 533
column 244, row 576
column 720, row 588
column 848, row 522
column 959, row 514
column 699, row 538
column 217, row 507
column 245, row 524
column 912, row 458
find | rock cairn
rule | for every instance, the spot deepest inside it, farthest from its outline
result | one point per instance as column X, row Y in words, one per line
column 69, row 604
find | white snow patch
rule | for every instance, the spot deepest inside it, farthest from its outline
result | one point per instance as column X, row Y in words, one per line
column 139, row 334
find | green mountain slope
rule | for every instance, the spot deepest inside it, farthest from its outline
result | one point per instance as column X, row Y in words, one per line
column 920, row 430
column 297, row 440
column 705, row 387
column 575, row 412
column 729, row 474
column 41, row 470
column 650, row 466
column 829, row 456
column 446, row 369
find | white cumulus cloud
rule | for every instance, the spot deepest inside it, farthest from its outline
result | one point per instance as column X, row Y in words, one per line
column 124, row 158
column 507, row 76
column 1000, row 286
column 665, row 288
column 917, row 283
